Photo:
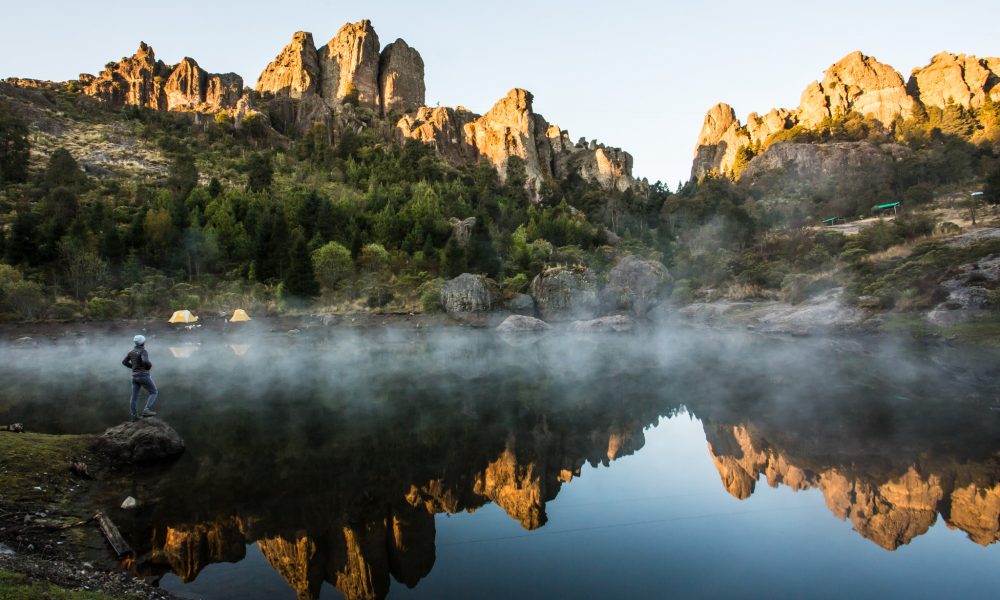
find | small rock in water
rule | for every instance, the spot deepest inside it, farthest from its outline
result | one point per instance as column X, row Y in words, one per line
column 129, row 503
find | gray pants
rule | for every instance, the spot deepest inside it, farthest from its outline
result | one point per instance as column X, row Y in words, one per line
column 143, row 381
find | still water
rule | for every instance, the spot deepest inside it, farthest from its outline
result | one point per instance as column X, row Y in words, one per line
column 455, row 463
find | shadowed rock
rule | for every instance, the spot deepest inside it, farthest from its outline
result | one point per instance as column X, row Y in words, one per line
column 143, row 441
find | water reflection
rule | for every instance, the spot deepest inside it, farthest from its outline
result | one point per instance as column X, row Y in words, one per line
column 333, row 455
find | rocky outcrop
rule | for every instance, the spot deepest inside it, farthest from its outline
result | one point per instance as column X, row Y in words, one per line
column 512, row 130
column 960, row 79
column 142, row 441
column 401, row 78
column 634, row 285
column 855, row 84
column 142, row 80
column 721, row 137
column 442, row 128
column 565, row 293
column 469, row 297
column 294, row 72
column 349, row 66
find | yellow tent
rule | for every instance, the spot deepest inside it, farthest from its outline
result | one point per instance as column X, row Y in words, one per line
column 239, row 316
column 183, row 316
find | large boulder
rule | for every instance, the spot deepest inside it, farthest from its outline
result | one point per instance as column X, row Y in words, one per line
column 612, row 324
column 469, row 298
column 522, row 324
column 142, row 441
column 565, row 293
column 633, row 285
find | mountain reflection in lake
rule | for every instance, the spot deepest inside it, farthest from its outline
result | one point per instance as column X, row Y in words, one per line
column 328, row 462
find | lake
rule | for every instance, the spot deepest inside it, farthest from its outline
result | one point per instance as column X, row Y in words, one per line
column 683, row 462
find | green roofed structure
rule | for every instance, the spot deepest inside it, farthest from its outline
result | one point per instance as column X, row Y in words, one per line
column 894, row 206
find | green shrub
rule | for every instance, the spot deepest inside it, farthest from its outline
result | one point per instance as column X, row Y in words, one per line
column 102, row 309
column 430, row 295
column 682, row 293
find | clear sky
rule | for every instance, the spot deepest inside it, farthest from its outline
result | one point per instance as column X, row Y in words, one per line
column 630, row 73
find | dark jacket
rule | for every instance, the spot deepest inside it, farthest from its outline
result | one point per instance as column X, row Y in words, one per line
column 138, row 361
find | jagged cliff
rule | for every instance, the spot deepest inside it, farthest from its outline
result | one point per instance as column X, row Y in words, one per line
column 858, row 84
column 142, row 80
column 351, row 69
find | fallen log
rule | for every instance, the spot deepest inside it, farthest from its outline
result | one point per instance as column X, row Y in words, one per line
column 77, row 524
column 113, row 536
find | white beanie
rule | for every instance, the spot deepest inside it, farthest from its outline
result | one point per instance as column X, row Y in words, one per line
column 139, row 340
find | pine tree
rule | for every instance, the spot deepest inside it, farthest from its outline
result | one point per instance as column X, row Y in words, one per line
column 300, row 279
column 14, row 148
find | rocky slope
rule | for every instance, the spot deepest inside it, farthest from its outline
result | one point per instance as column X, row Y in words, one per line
column 142, row 80
column 856, row 83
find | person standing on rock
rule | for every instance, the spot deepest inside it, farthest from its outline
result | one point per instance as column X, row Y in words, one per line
column 138, row 361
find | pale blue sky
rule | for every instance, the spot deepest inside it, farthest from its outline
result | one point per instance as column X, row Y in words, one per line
column 639, row 75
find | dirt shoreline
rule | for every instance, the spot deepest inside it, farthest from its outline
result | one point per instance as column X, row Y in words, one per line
column 44, row 529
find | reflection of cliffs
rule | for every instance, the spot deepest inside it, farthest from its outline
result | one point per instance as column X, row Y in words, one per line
column 889, row 510
column 384, row 535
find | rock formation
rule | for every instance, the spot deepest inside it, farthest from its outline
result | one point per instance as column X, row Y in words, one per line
column 141, row 80
column 965, row 80
column 349, row 68
column 401, row 78
column 511, row 129
column 858, row 84
column 294, row 72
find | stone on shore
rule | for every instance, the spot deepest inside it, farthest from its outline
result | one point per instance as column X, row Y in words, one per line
column 142, row 441
column 522, row 323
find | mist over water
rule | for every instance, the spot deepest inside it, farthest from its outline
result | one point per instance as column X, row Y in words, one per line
column 401, row 461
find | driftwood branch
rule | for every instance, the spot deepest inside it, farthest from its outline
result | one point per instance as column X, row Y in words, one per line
column 113, row 536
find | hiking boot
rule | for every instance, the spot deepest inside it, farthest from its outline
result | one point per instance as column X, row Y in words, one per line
column 148, row 413
column 133, row 417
